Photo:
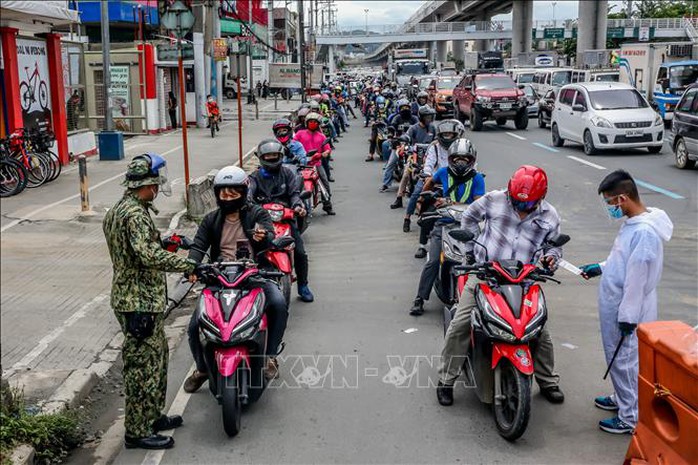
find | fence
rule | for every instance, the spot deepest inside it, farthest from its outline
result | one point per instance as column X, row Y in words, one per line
column 73, row 57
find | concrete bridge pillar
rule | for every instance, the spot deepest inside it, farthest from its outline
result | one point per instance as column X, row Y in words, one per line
column 330, row 58
column 522, row 23
column 441, row 53
column 458, row 50
column 483, row 45
column 432, row 51
column 591, row 26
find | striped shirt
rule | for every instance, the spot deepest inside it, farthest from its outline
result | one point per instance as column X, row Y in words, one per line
column 506, row 236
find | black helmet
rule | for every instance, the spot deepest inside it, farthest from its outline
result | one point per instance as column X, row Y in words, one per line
column 448, row 131
column 405, row 139
column 426, row 110
column 265, row 151
column 422, row 95
column 461, row 158
column 403, row 103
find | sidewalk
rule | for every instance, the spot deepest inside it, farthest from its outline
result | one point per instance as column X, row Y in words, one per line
column 55, row 269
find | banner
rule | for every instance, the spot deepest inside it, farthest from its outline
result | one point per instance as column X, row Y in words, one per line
column 32, row 64
column 219, row 49
column 120, row 95
column 285, row 75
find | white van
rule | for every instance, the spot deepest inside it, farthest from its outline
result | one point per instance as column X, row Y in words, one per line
column 522, row 75
column 594, row 75
column 547, row 78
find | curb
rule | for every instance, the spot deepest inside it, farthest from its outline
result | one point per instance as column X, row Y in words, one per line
column 23, row 455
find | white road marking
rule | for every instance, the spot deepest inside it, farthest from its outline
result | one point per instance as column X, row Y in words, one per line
column 516, row 136
column 569, row 346
column 33, row 213
column 43, row 344
column 588, row 163
column 179, row 404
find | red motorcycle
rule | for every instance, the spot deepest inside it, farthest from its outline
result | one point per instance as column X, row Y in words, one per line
column 282, row 258
column 510, row 314
column 313, row 193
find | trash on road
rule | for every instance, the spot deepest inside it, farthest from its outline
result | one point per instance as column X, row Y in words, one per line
column 410, row 330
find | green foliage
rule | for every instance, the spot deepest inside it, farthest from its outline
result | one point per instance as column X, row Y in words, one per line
column 664, row 8
column 52, row 436
column 569, row 47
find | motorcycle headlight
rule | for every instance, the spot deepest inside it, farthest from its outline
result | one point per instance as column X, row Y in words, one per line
column 248, row 323
column 500, row 333
column 658, row 121
column 541, row 314
column 452, row 253
column 208, row 327
column 276, row 215
column 600, row 122
column 488, row 310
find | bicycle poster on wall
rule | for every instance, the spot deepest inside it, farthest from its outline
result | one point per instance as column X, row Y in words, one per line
column 32, row 61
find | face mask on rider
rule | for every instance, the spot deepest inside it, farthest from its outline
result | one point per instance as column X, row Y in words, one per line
column 227, row 204
column 405, row 114
column 615, row 212
column 313, row 125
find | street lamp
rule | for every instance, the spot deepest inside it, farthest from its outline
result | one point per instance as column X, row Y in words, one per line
column 366, row 16
column 178, row 20
column 554, row 22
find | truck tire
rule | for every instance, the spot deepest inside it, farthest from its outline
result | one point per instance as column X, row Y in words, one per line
column 521, row 120
column 230, row 94
column 476, row 120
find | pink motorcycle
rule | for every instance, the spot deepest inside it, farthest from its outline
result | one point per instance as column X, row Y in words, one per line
column 233, row 332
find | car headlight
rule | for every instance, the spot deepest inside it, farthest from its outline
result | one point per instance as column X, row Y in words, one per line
column 276, row 215
column 482, row 98
column 658, row 121
column 601, row 122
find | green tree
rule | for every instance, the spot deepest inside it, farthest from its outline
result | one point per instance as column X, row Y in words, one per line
column 569, row 47
column 665, row 8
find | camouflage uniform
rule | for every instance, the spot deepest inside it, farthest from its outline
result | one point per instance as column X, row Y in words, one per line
column 139, row 285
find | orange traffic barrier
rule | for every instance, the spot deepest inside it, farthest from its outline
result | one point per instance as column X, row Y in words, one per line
column 667, row 395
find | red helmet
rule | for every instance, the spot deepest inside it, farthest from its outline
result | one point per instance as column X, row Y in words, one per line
column 528, row 184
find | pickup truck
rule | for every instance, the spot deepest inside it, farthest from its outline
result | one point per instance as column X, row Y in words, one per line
column 495, row 96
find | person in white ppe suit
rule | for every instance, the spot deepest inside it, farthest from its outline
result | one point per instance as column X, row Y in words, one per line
column 627, row 291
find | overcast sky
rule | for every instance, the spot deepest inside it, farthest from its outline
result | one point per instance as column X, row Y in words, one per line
column 351, row 12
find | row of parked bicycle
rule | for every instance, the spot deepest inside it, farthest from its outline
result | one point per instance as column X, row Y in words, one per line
column 26, row 160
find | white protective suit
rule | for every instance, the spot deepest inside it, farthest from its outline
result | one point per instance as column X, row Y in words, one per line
column 628, row 293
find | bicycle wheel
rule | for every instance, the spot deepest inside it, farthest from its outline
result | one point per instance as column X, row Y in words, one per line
column 13, row 177
column 55, row 164
column 38, row 169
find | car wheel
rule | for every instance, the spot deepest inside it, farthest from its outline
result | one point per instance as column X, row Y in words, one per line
column 541, row 121
column 521, row 120
column 476, row 120
column 589, row 147
column 555, row 134
column 681, row 156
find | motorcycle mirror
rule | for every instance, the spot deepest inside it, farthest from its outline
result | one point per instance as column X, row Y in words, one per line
column 559, row 240
column 462, row 235
column 305, row 195
column 283, row 242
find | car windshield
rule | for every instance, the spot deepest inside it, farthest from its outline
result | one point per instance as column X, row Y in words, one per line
column 495, row 82
column 616, row 99
column 525, row 78
column 528, row 90
column 447, row 83
column 412, row 68
column 681, row 77
column 560, row 78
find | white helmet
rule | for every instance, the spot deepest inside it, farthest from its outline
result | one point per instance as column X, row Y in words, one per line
column 230, row 176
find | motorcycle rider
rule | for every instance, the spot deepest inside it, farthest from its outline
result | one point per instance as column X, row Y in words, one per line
column 213, row 113
column 397, row 147
column 300, row 118
column 404, row 115
column 294, row 152
column 380, row 111
column 313, row 138
column 436, row 157
column 462, row 184
column 235, row 222
column 517, row 222
column 274, row 182
column 421, row 100
column 627, row 292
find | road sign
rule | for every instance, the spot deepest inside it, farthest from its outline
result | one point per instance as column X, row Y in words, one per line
column 285, row 75
column 554, row 33
column 615, row 32
column 168, row 52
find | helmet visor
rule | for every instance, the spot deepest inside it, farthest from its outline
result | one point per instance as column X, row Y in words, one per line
column 164, row 181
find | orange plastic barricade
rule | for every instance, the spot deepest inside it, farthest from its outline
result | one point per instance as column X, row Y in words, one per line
column 668, row 396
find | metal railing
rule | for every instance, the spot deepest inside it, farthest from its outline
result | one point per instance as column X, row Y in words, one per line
column 690, row 26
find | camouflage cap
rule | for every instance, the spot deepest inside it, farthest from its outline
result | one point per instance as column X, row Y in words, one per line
column 139, row 168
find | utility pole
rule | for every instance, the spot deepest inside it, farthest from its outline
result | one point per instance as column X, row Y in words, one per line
column 301, row 47
column 250, row 83
column 106, row 66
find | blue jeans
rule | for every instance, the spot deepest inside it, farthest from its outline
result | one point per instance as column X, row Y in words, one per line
column 389, row 169
column 412, row 205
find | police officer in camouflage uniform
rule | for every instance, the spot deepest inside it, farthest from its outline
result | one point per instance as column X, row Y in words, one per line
column 138, row 297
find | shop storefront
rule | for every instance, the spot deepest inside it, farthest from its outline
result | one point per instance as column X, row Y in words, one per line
column 32, row 69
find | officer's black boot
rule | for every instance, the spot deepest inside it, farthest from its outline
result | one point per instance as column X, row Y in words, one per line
column 155, row 441
column 444, row 394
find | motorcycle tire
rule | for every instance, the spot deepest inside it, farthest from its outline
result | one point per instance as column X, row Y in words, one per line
column 285, row 285
column 230, row 403
column 213, row 130
column 511, row 414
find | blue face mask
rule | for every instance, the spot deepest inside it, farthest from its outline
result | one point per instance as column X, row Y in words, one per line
column 614, row 212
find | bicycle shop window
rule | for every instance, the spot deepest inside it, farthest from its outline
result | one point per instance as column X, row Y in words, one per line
column 74, row 86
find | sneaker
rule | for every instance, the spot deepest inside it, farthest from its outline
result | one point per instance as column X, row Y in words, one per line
column 383, row 188
column 271, row 371
column 553, row 394
column 444, row 394
column 606, row 403
column 406, row 225
column 195, row 381
column 615, row 426
column 417, row 307
column 397, row 204
column 421, row 252
column 304, row 294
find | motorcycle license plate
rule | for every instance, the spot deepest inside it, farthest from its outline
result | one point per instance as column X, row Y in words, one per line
column 633, row 133
column 505, row 106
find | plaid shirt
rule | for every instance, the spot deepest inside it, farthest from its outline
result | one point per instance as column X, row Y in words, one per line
column 436, row 157
column 506, row 236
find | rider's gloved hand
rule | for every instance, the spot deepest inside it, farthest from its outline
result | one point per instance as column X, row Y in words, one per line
column 469, row 258
column 626, row 329
column 591, row 271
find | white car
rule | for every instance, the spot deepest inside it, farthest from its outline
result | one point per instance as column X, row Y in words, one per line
column 605, row 115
